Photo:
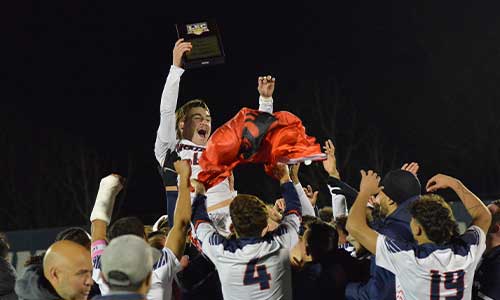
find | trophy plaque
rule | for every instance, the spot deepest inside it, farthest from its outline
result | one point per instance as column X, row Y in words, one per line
column 206, row 41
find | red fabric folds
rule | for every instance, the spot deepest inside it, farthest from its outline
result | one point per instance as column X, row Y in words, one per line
column 252, row 136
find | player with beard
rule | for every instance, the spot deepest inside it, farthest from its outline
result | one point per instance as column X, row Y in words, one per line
column 440, row 263
column 187, row 131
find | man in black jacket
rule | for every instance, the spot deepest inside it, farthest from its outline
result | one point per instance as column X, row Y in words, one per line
column 66, row 273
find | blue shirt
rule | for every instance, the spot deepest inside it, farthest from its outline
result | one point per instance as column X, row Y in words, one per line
column 382, row 283
column 487, row 277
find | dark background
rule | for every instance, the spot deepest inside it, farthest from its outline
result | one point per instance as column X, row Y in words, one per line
column 388, row 81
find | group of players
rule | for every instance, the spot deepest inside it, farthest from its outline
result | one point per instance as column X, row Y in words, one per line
column 252, row 257
column 249, row 248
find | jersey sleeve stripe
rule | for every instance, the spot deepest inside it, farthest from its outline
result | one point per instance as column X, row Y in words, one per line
column 199, row 210
column 291, row 198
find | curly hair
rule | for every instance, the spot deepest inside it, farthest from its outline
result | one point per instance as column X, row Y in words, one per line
column 249, row 215
column 182, row 111
column 436, row 217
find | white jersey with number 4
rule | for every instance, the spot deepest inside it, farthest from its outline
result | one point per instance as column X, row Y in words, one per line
column 253, row 268
column 429, row 271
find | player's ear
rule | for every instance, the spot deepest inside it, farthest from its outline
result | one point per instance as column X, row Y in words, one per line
column 495, row 228
column 419, row 230
column 181, row 124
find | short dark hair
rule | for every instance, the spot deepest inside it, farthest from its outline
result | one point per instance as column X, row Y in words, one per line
column 321, row 240
column 326, row 214
column 305, row 222
column 127, row 225
column 249, row 215
column 436, row 217
column 75, row 234
column 4, row 245
column 35, row 260
column 182, row 112
column 341, row 222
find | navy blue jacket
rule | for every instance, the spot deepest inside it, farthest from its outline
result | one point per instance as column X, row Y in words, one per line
column 487, row 277
column 320, row 279
column 127, row 296
column 382, row 283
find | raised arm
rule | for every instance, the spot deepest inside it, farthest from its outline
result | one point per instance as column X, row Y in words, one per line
column 342, row 194
column 100, row 217
column 166, row 136
column 356, row 222
column 176, row 239
column 292, row 202
column 305, row 202
column 480, row 214
column 265, row 86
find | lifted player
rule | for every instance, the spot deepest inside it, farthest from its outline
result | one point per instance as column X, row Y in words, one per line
column 187, row 131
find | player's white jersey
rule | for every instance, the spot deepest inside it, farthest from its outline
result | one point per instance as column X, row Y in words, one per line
column 253, row 268
column 221, row 194
column 430, row 271
column 164, row 271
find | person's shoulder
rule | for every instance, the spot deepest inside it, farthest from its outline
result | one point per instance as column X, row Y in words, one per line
column 396, row 229
column 133, row 296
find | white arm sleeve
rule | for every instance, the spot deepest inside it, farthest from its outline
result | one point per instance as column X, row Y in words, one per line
column 266, row 104
column 307, row 208
column 166, row 137
column 287, row 233
column 211, row 241
column 339, row 203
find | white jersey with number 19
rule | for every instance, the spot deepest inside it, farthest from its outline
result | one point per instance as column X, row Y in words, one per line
column 430, row 271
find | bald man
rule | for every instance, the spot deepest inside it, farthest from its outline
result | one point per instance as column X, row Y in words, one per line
column 66, row 274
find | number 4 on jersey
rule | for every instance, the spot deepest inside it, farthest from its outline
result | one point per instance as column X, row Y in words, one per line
column 257, row 274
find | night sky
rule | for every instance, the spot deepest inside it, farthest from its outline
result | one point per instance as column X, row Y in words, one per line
column 407, row 80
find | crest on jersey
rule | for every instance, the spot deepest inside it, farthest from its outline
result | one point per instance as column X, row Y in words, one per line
column 197, row 28
column 254, row 131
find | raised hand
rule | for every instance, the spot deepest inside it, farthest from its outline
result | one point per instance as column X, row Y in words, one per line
column 441, row 181
column 294, row 173
column 280, row 171
column 312, row 195
column 183, row 168
column 266, row 86
column 330, row 164
column 411, row 167
column 369, row 182
column 112, row 183
column 180, row 48
column 280, row 205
